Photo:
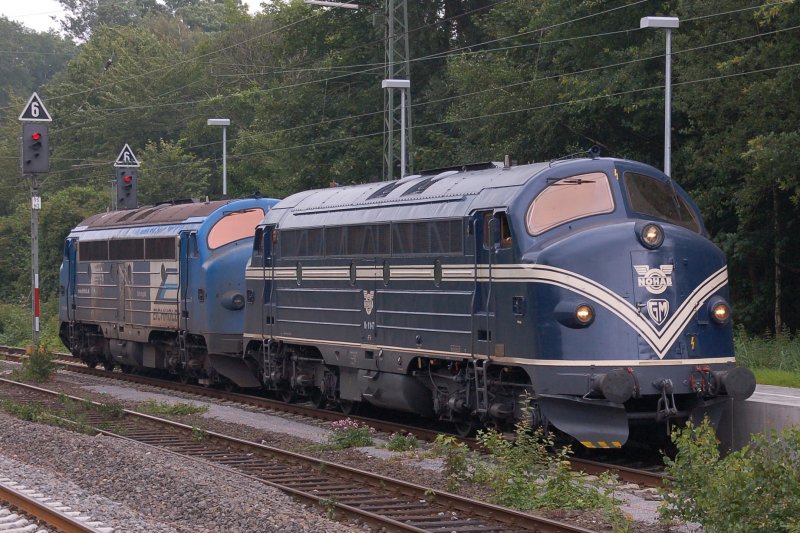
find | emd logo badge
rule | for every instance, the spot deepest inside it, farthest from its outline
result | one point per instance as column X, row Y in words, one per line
column 655, row 280
column 369, row 301
column 658, row 310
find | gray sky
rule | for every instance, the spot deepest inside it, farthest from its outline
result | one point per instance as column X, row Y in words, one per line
column 35, row 14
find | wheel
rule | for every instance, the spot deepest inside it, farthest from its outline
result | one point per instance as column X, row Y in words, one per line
column 349, row 407
column 287, row 395
column 184, row 379
column 126, row 369
column 465, row 428
column 318, row 398
column 229, row 386
column 109, row 366
column 91, row 364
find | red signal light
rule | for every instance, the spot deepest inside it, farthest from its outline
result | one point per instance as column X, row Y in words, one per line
column 36, row 136
column 127, row 179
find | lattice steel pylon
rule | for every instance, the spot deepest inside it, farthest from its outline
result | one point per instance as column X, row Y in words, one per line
column 397, row 67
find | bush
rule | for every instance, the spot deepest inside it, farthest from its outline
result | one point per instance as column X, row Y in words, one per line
column 348, row 433
column 458, row 460
column 781, row 352
column 529, row 473
column 38, row 367
column 756, row 489
column 402, row 443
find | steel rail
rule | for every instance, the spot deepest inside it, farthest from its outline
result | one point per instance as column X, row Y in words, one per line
column 42, row 512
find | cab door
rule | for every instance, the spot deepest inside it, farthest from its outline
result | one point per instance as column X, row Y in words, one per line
column 187, row 255
column 68, row 280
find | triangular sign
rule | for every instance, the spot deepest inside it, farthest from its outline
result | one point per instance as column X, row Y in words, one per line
column 35, row 111
column 126, row 158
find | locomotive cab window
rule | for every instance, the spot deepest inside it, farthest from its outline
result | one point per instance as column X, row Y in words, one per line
column 569, row 199
column 657, row 198
column 505, row 230
column 234, row 226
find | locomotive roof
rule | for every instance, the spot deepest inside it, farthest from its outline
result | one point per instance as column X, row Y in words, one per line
column 153, row 215
column 450, row 193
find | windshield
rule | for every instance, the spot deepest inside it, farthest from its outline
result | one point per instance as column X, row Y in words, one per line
column 569, row 199
column 656, row 198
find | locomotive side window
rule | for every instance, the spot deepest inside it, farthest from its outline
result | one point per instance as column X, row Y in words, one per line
column 440, row 237
column 160, row 248
column 569, row 199
column 301, row 243
column 505, row 230
column 653, row 197
column 234, row 226
column 126, row 249
column 93, row 250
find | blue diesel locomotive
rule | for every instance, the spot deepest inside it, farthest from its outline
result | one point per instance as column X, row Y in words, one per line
column 585, row 290
column 161, row 287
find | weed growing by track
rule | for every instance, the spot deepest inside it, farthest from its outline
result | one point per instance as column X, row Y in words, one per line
column 349, row 433
column 153, row 407
column 399, row 442
column 527, row 473
column 70, row 414
column 37, row 367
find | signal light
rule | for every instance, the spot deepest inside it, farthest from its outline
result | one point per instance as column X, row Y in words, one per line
column 126, row 188
column 35, row 149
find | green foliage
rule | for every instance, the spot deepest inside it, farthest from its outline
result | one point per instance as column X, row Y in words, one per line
column 398, row 442
column 199, row 434
column 459, row 462
column 349, row 433
column 155, row 407
column 778, row 352
column 37, row 367
column 530, row 473
column 756, row 489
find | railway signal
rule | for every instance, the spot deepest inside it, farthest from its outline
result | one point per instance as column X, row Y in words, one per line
column 127, row 179
column 35, row 149
column 35, row 160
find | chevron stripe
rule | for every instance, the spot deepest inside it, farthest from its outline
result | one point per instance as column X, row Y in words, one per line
column 660, row 340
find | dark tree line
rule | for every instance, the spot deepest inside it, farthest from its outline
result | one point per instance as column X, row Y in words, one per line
column 301, row 84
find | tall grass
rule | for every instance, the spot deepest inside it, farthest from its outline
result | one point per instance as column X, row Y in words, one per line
column 779, row 352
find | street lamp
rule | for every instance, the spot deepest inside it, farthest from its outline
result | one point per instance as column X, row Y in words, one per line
column 667, row 23
column 224, row 122
column 404, row 86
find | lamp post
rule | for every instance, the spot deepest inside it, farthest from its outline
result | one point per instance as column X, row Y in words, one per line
column 224, row 122
column 666, row 23
column 404, row 86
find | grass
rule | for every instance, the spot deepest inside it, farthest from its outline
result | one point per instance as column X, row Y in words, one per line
column 163, row 408
column 775, row 360
column 779, row 378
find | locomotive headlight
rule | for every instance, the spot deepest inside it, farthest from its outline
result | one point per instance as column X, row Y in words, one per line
column 232, row 300
column 584, row 314
column 719, row 310
column 651, row 236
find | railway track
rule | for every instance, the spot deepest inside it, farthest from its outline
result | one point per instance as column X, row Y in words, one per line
column 24, row 511
column 645, row 478
column 380, row 501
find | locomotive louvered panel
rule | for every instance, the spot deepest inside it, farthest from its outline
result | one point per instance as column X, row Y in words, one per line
column 319, row 313
column 438, row 320
column 96, row 293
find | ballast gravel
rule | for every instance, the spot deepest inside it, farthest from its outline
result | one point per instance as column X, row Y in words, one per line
column 135, row 488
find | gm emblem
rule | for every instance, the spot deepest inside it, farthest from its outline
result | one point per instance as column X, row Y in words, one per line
column 369, row 301
column 655, row 280
column 658, row 310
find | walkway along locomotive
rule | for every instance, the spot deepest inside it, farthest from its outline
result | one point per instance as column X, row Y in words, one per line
column 587, row 288
column 161, row 287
